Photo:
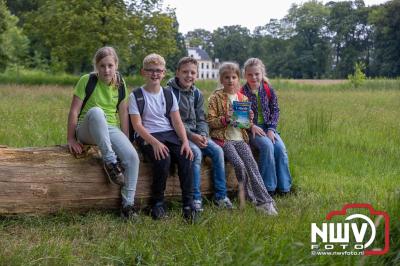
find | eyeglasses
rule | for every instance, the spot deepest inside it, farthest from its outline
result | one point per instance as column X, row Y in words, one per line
column 154, row 71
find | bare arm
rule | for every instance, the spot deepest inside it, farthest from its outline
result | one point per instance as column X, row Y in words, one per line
column 123, row 117
column 73, row 145
column 181, row 132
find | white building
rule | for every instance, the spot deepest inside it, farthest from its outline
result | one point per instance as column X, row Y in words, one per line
column 207, row 68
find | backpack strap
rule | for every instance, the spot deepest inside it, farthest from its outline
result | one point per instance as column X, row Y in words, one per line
column 140, row 104
column 121, row 90
column 196, row 96
column 267, row 90
column 168, row 103
column 177, row 93
column 240, row 96
column 139, row 99
column 90, row 86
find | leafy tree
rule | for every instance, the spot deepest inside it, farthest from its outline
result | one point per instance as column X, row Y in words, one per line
column 173, row 59
column 386, row 54
column 309, row 45
column 358, row 77
column 20, row 7
column 71, row 31
column 200, row 37
column 13, row 43
column 347, row 23
column 3, row 28
column 231, row 42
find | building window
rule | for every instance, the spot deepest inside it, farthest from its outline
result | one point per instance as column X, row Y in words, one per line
column 202, row 75
column 202, row 65
column 207, row 66
column 212, row 75
column 207, row 75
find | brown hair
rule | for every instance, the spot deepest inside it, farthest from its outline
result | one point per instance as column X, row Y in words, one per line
column 229, row 66
column 186, row 60
column 104, row 52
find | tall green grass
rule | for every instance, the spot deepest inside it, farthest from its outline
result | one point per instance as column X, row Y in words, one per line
column 343, row 147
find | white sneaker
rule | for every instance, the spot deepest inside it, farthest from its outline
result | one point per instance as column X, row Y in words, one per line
column 224, row 203
column 268, row 208
column 198, row 205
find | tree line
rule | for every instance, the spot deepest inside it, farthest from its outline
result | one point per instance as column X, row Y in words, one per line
column 314, row 40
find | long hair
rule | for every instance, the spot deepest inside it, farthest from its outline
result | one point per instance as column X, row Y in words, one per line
column 104, row 52
column 253, row 61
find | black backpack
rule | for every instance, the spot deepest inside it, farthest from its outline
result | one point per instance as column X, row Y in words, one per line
column 140, row 104
column 91, row 85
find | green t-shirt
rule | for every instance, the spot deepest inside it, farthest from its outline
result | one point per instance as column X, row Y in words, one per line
column 103, row 96
column 260, row 117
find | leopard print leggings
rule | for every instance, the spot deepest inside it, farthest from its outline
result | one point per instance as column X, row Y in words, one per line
column 238, row 153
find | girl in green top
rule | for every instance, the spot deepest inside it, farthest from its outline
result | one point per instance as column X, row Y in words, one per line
column 96, row 121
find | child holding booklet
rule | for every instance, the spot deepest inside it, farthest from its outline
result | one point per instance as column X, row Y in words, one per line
column 233, row 139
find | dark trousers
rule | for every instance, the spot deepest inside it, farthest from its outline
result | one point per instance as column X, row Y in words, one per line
column 161, row 168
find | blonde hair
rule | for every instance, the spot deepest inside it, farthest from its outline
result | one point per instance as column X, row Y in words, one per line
column 102, row 53
column 253, row 61
column 229, row 66
column 153, row 59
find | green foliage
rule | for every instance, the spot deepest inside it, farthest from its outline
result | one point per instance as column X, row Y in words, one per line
column 386, row 25
column 203, row 38
column 358, row 77
column 231, row 43
column 13, row 43
column 356, row 160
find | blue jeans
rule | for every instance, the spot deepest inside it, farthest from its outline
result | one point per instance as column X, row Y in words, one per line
column 273, row 162
column 216, row 154
column 112, row 142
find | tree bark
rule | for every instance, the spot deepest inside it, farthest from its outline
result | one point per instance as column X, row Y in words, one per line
column 47, row 180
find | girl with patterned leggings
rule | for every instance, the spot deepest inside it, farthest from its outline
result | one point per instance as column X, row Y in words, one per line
column 234, row 140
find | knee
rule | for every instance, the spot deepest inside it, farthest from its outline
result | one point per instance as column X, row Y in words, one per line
column 265, row 145
column 197, row 156
column 132, row 156
column 95, row 113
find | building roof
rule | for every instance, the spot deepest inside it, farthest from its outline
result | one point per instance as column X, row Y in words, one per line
column 201, row 54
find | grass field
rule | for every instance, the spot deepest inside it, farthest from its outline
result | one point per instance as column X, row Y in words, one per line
column 343, row 146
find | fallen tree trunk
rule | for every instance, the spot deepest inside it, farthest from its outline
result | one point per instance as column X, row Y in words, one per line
column 47, row 180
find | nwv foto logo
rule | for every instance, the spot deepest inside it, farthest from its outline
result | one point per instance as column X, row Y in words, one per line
column 356, row 233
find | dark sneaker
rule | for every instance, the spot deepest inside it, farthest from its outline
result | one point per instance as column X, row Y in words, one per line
column 129, row 213
column 224, row 203
column 114, row 173
column 190, row 214
column 158, row 211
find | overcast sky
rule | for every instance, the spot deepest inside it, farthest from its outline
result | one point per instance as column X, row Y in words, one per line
column 211, row 14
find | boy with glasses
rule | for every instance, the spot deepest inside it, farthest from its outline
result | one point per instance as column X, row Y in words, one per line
column 162, row 136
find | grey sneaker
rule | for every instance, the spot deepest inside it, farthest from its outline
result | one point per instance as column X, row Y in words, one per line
column 114, row 173
column 268, row 208
column 198, row 205
column 224, row 203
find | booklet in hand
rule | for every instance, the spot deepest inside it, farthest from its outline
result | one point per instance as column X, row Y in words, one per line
column 241, row 114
